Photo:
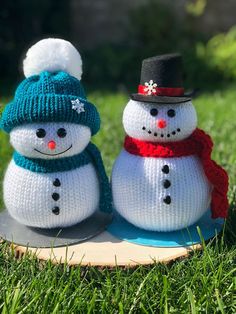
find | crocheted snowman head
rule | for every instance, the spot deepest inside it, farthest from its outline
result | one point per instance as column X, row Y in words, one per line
column 50, row 140
column 156, row 122
column 50, row 116
column 160, row 111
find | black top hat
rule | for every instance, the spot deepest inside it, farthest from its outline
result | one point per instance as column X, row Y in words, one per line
column 162, row 80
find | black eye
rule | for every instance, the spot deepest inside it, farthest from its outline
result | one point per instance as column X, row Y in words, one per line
column 154, row 112
column 171, row 113
column 41, row 133
column 61, row 132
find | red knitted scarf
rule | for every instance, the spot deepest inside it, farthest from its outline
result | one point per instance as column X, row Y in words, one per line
column 200, row 144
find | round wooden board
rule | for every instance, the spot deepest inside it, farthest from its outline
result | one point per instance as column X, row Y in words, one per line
column 106, row 250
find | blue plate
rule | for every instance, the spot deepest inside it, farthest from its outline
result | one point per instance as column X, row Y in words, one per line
column 209, row 227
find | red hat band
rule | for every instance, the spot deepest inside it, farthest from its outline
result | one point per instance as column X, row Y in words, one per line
column 151, row 89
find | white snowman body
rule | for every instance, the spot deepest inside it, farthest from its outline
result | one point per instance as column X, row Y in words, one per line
column 49, row 200
column 160, row 194
column 57, row 199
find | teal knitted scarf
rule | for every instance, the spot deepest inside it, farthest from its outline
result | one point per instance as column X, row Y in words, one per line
column 52, row 165
column 90, row 155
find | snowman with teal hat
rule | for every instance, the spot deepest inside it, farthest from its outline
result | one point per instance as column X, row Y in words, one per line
column 164, row 178
column 56, row 177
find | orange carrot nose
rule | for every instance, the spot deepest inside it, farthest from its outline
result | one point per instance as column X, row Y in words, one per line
column 52, row 145
column 161, row 123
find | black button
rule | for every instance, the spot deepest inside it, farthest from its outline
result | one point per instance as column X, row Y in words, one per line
column 56, row 210
column 56, row 182
column 165, row 169
column 55, row 196
column 166, row 184
column 167, row 200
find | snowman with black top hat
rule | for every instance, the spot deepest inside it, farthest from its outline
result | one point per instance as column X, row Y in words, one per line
column 164, row 178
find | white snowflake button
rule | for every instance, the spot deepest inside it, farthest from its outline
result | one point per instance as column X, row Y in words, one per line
column 150, row 87
column 78, row 106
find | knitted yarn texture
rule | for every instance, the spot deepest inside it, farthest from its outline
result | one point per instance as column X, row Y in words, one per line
column 49, row 97
column 159, row 194
column 200, row 144
column 56, row 177
column 139, row 121
column 51, row 200
column 57, row 192
column 164, row 178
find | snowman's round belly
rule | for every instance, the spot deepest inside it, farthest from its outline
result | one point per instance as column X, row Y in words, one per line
column 161, row 194
column 49, row 200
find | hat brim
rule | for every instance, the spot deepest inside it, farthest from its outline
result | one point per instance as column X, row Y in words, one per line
column 160, row 99
column 56, row 108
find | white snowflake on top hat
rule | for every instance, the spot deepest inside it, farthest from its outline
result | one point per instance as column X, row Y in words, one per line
column 150, row 87
column 77, row 105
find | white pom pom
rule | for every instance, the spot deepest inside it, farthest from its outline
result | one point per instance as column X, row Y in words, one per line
column 53, row 54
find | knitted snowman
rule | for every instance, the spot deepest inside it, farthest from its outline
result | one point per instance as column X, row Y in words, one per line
column 56, row 177
column 164, row 178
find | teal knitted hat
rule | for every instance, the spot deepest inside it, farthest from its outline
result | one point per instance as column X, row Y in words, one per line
column 53, row 94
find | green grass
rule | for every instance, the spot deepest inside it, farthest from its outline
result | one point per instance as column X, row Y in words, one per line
column 203, row 283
